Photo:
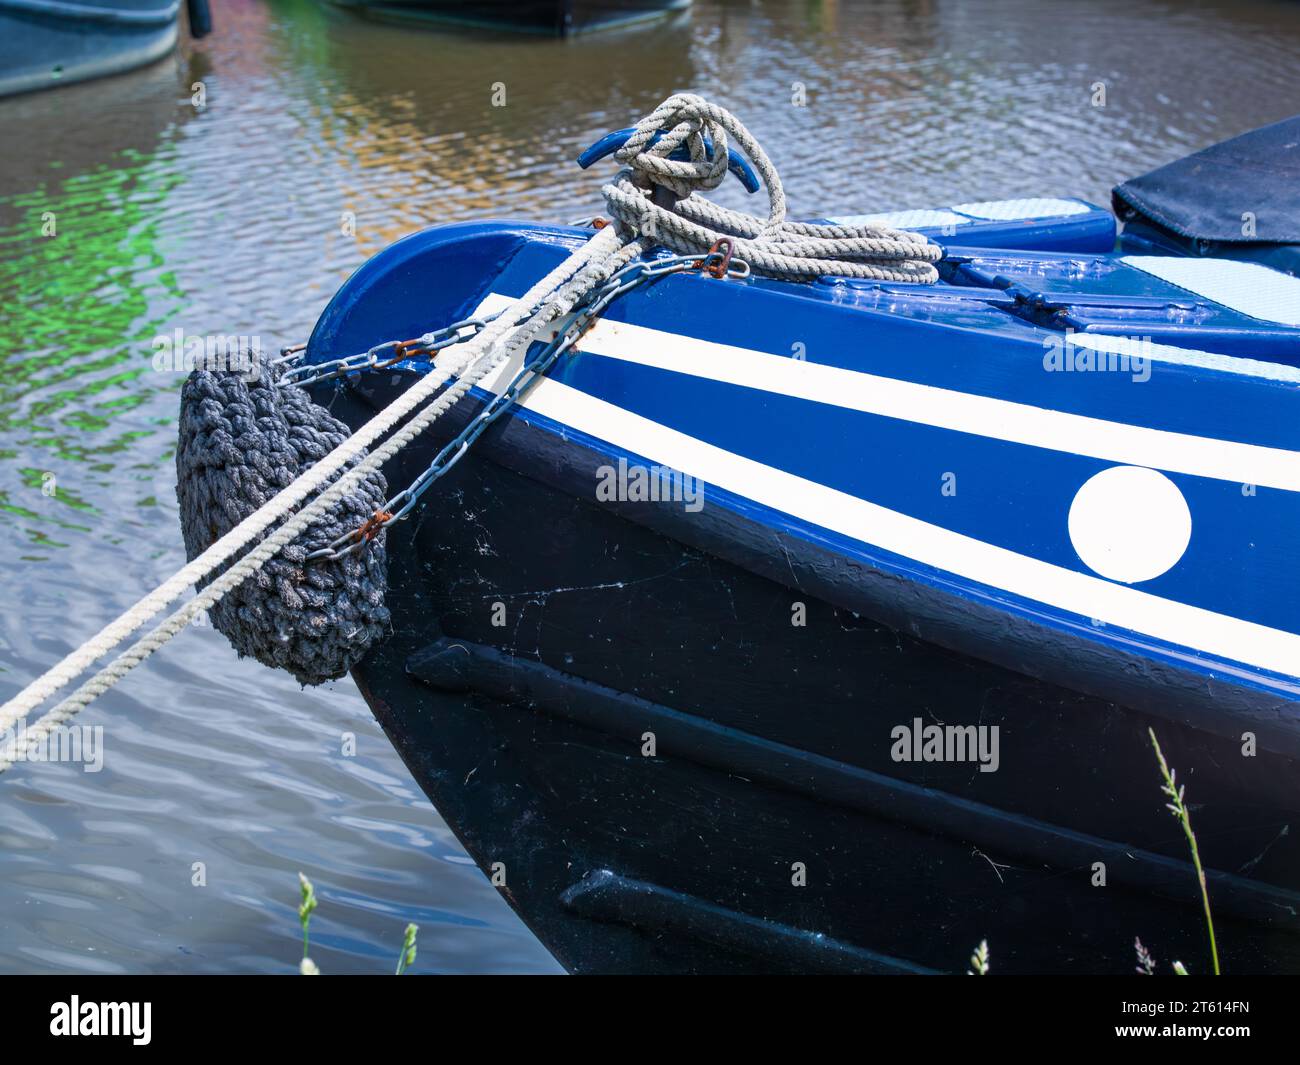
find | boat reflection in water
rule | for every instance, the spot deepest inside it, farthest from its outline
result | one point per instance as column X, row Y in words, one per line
column 451, row 139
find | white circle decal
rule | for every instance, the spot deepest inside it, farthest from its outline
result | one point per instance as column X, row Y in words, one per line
column 1130, row 524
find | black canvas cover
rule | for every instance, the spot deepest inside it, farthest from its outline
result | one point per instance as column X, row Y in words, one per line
column 1242, row 191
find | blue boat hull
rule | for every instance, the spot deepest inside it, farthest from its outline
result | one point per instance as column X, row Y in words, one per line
column 894, row 532
column 44, row 43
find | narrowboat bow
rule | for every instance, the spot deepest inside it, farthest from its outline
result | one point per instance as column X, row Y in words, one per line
column 819, row 626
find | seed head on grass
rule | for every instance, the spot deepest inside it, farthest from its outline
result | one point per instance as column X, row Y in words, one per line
column 1178, row 808
column 1146, row 964
column 407, row 957
column 979, row 961
column 305, row 909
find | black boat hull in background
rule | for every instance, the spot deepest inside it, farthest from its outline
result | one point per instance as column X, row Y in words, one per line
column 550, row 17
column 543, row 641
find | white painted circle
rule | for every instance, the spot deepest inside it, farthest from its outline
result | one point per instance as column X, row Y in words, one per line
column 1130, row 524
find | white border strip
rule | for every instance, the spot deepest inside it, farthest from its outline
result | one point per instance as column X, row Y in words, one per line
column 1202, row 360
column 996, row 419
column 923, row 219
column 1248, row 288
column 1015, row 210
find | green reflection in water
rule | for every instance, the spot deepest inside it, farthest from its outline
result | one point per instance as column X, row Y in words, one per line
column 86, row 289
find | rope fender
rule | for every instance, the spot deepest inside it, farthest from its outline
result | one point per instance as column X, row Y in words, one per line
column 244, row 436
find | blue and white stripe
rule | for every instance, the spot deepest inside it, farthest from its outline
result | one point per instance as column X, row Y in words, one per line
column 657, row 395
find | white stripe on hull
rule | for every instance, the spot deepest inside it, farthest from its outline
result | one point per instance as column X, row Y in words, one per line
column 996, row 419
column 1088, row 597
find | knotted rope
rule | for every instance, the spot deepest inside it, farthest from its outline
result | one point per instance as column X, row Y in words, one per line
column 656, row 196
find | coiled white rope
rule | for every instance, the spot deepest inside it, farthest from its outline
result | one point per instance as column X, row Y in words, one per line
column 653, row 198
column 656, row 196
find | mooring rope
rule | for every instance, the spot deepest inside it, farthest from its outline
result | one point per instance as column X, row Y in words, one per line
column 656, row 197
column 564, row 285
column 653, row 202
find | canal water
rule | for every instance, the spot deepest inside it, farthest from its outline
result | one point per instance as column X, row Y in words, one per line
column 230, row 189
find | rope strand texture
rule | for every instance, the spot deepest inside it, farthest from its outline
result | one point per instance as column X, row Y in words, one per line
column 656, row 197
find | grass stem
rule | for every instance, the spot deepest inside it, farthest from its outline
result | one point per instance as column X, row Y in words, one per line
column 1178, row 808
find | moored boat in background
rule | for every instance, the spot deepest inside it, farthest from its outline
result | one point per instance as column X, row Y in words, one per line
column 559, row 18
column 44, row 43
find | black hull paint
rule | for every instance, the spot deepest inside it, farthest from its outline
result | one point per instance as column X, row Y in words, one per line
column 557, row 18
column 773, row 748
